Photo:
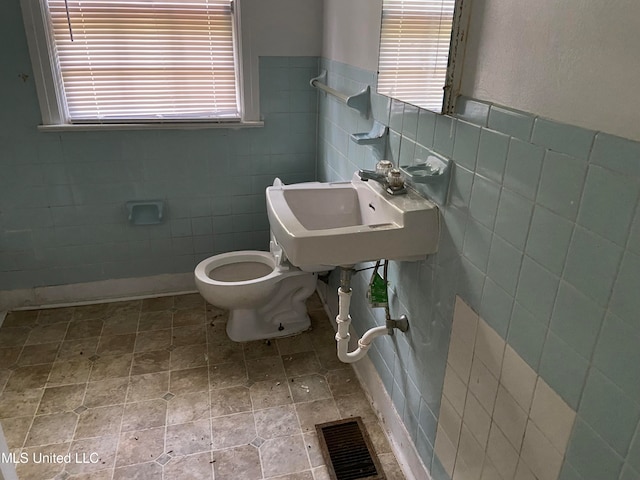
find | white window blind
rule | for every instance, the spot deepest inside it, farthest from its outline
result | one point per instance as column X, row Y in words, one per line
column 414, row 50
column 145, row 60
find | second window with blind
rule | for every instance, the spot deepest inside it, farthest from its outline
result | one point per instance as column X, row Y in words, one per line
column 415, row 44
column 139, row 60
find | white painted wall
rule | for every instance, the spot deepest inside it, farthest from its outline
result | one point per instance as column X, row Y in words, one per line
column 283, row 27
column 575, row 61
column 277, row 27
column 352, row 32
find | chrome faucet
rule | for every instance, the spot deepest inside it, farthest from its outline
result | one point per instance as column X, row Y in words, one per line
column 366, row 175
column 392, row 188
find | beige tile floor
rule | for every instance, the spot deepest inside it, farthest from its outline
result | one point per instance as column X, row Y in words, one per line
column 155, row 390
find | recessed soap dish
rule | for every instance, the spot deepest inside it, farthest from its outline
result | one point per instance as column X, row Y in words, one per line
column 146, row 212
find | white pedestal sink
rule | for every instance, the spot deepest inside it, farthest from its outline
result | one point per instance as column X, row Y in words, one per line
column 344, row 223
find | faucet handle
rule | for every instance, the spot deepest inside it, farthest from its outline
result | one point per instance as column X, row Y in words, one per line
column 395, row 179
column 383, row 167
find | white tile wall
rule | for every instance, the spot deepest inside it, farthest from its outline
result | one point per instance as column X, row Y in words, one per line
column 445, row 450
column 460, row 356
column 489, row 347
column 465, row 322
column 538, row 453
column 523, row 472
column 489, row 471
column 511, row 419
column 470, row 458
column 450, row 421
column 483, row 384
column 518, row 378
column 552, row 415
column 498, row 419
column 454, row 390
column 477, row 420
column 502, row 454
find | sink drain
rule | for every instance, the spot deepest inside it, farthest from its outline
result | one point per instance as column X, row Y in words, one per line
column 347, row 451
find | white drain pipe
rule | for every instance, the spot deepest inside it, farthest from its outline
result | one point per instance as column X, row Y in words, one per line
column 344, row 321
column 342, row 337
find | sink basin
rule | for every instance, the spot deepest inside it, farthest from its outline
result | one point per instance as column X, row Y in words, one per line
column 344, row 223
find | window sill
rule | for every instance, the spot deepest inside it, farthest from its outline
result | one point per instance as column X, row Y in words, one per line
column 90, row 127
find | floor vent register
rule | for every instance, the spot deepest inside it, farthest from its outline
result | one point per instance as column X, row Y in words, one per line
column 348, row 451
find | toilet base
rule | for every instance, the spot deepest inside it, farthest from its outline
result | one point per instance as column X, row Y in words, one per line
column 245, row 326
column 284, row 315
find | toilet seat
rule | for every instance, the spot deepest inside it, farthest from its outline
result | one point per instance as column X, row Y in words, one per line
column 248, row 289
column 208, row 266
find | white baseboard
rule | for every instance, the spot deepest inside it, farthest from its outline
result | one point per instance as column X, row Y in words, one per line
column 400, row 440
column 103, row 291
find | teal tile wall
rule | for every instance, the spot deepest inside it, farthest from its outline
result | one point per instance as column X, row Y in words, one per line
column 62, row 195
column 541, row 236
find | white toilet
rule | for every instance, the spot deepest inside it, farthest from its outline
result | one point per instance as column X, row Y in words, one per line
column 264, row 293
